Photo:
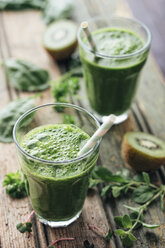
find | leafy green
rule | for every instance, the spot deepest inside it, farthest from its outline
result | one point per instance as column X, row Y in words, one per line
column 65, row 87
column 57, row 9
column 26, row 76
column 142, row 194
column 21, row 4
column 24, row 227
column 146, row 178
column 68, row 119
column 15, row 186
column 10, row 114
column 126, row 221
column 108, row 236
column 106, row 175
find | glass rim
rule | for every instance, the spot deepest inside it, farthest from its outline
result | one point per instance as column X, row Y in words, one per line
column 54, row 161
column 146, row 45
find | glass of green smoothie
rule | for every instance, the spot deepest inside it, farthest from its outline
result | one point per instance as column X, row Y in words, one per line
column 112, row 71
column 56, row 178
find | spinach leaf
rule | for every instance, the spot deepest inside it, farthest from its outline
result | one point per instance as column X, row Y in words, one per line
column 21, row 4
column 10, row 114
column 26, row 76
column 57, row 9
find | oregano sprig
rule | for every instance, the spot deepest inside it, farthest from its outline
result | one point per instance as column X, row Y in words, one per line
column 142, row 192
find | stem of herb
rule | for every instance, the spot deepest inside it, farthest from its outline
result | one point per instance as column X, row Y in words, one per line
column 97, row 229
column 29, row 218
column 62, row 239
column 144, row 206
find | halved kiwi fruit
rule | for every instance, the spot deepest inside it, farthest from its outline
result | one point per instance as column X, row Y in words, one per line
column 60, row 39
column 143, row 151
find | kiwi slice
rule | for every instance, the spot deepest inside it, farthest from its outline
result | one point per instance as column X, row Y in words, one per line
column 143, row 151
column 60, row 39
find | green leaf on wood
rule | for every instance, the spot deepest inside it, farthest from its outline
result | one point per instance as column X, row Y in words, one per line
column 10, row 114
column 15, row 186
column 146, row 178
column 24, row 227
column 26, row 76
column 142, row 194
column 108, row 236
column 126, row 221
column 106, row 175
column 21, row 4
column 57, row 9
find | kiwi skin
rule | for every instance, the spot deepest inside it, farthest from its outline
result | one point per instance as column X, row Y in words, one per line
column 138, row 160
column 62, row 54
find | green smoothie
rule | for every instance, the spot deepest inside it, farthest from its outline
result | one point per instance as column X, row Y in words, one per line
column 111, row 82
column 58, row 190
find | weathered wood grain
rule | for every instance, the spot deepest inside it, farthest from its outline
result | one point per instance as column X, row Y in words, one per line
column 20, row 36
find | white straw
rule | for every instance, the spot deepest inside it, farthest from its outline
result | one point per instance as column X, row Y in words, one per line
column 84, row 26
column 98, row 134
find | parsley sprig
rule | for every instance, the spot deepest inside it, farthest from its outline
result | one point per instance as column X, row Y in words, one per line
column 25, row 226
column 66, row 86
column 142, row 192
column 15, row 186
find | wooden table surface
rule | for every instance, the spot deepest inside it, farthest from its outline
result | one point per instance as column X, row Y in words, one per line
column 20, row 36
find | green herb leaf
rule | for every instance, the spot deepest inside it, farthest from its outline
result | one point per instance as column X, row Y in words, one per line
column 120, row 233
column 119, row 221
column 64, row 88
column 108, row 236
column 151, row 226
column 10, row 114
column 126, row 221
column 93, row 183
column 138, row 178
column 59, row 9
column 127, row 240
column 142, row 194
column 146, row 178
column 68, row 119
column 106, row 190
column 106, row 175
column 116, row 191
column 24, row 227
column 132, row 237
column 15, row 187
column 21, row 4
column 26, row 76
